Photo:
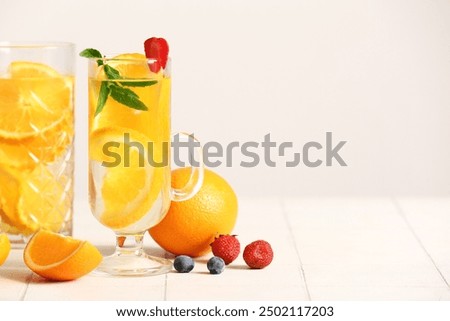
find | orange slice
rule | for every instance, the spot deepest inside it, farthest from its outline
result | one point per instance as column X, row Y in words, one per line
column 34, row 99
column 5, row 248
column 43, row 203
column 43, row 148
column 124, row 192
column 32, row 200
column 28, row 69
column 115, row 114
column 9, row 197
column 60, row 258
column 130, row 65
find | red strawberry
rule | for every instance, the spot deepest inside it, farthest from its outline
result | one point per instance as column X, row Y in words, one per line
column 158, row 49
column 258, row 254
column 227, row 247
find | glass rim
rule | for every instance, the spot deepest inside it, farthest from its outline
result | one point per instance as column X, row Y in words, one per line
column 36, row 44
column 108, row 58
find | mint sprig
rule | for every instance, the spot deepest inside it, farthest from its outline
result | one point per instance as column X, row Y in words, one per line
column 116, row 89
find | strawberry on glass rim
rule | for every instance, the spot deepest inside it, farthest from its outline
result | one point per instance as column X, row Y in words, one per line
column 158, row 50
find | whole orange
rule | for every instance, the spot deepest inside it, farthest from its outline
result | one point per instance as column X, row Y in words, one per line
column 190, row 226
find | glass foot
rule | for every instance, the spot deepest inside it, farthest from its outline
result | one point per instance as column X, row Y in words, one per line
column 133, row 265
column 129, row 259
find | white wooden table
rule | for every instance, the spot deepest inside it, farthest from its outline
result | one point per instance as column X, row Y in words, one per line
column 325, row 249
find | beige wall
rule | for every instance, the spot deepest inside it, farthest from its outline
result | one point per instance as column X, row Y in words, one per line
column 375, row 73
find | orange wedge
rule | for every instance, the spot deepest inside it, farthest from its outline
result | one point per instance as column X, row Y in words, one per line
column 60, row 258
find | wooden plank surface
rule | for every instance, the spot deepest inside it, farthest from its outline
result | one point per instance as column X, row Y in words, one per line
column 325, row 249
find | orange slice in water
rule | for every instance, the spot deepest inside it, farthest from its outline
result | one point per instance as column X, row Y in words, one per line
column 125, row 185
column 35, row 98
column 5, row 248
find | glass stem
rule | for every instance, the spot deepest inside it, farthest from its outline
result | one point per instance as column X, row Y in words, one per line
column 130, row 244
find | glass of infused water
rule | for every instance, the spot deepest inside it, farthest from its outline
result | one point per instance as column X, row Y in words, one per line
column 36, row 138
column 129, row 156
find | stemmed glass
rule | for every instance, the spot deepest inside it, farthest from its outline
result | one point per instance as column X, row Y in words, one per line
column 129, row 158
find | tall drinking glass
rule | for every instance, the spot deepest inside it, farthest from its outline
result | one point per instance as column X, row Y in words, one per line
column 129, row 157
column 36, row 138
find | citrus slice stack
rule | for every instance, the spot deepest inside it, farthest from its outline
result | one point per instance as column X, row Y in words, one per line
column 43, row 148
column 60, row 258
column 36, row 114
column 32, row 200
column 36, row 127
column 128, row 185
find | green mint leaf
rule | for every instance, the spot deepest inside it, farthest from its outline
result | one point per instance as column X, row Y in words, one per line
column 138, row 83
column 126, row 91
column 102, row 97
column 92, row 53
column 112, row 73
column 126, row 97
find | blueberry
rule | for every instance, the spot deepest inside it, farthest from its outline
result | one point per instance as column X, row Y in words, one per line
column 215, row 265
column 183, row 264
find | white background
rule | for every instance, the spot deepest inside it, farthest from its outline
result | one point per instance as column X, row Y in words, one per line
column 375, row 73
